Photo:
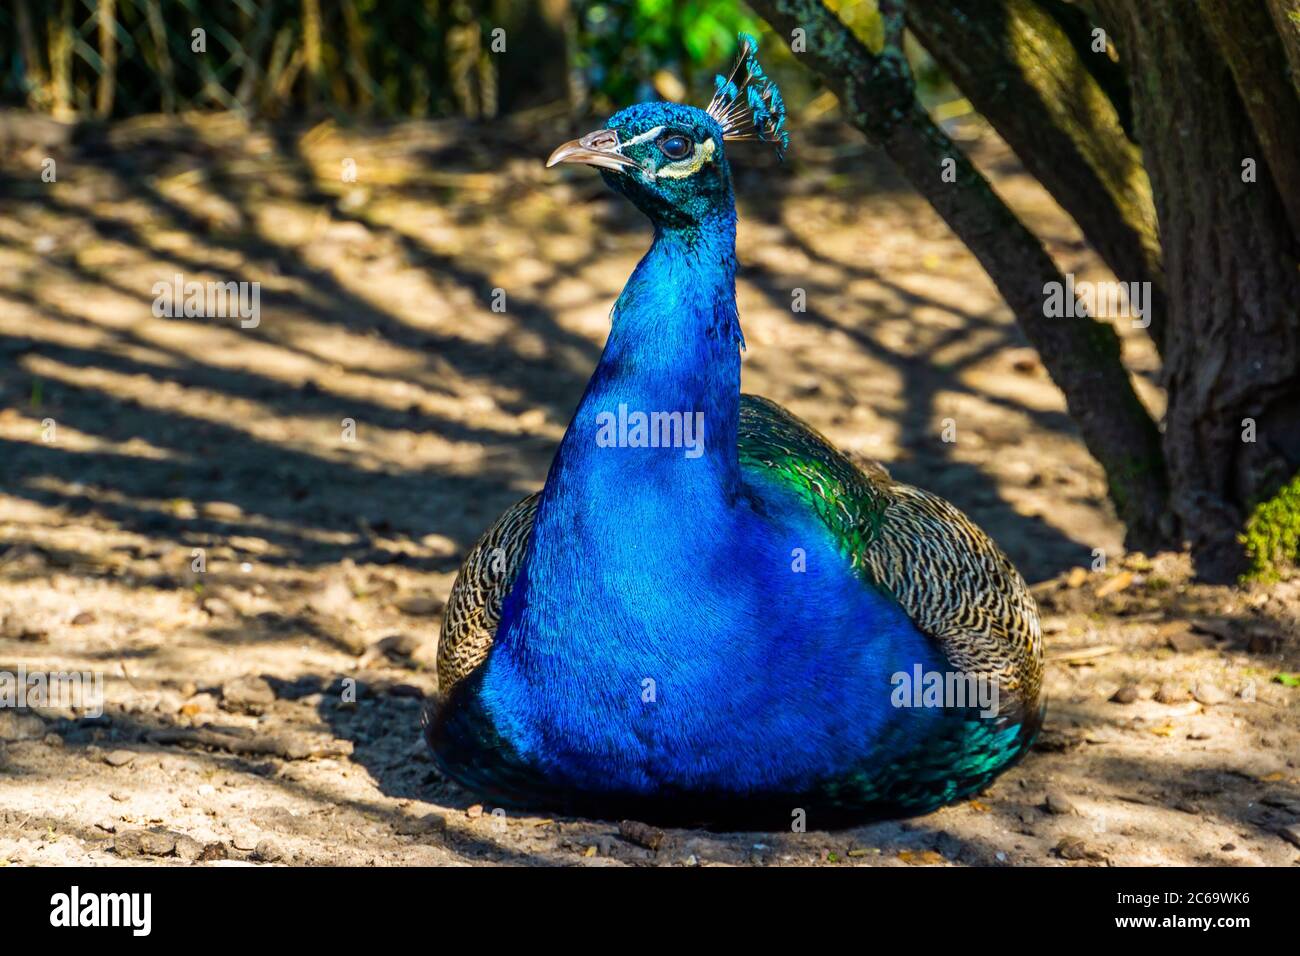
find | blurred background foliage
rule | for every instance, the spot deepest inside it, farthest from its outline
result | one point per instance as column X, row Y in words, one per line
column 381, row 58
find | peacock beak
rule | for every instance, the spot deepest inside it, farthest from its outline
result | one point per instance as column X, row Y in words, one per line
column 600, row 148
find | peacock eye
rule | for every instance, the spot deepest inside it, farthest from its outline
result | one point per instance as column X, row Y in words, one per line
column 676, row 146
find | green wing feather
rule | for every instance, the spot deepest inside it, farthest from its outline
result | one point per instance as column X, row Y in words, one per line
column 952, row 580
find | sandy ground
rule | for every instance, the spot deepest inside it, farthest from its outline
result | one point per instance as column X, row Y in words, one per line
column 129, row 441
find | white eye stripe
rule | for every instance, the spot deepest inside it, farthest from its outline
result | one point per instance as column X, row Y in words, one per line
column 648, row 134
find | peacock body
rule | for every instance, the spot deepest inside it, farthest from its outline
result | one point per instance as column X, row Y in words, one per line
column 704, row 614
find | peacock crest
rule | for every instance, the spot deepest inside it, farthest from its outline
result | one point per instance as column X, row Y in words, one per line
column 747, row 104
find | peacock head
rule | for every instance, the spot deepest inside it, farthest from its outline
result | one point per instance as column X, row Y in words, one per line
column 668, row 158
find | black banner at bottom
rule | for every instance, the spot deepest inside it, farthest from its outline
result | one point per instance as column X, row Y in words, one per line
column 265, row 904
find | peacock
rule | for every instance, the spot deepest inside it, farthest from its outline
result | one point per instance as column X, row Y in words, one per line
column 709, row 615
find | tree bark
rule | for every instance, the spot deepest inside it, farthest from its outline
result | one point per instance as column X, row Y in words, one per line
column 311, row 51
column 1077, row 23
column 1232, row 357
column 107, row 85
column 1082, row 355
column 1244, row 35
column 33, row 73
column 1286, row 18
column 61, row 35
column 1021, row 71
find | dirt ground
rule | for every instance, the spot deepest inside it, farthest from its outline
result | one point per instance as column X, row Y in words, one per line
column 129, row 441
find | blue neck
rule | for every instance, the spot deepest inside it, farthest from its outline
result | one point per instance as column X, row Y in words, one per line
column 674, row 347
column 673, row 350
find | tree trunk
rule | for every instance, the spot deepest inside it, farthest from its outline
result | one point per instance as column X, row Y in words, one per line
column 1244, row 36
column 33, row 74
column 1021, row 71
column 107, row 85
column 1232, row 356
column 1082, row 355
column 1286, row 18
column 1110, row 75
column 311, row 53
column 61, row 35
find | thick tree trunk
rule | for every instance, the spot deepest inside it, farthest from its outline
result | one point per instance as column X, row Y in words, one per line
column 1082, row 355
column 1232, row 356
column 1022, row 72
column 1244, row 36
